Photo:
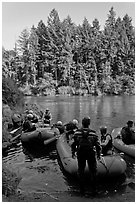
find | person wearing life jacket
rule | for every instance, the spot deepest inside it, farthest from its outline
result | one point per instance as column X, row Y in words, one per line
column 128, row 133
column 60, row 127
column 27, row 125
column 106, row 141
column 34, row 118
column 86, row 144
column 47, row 117
column 70, row 128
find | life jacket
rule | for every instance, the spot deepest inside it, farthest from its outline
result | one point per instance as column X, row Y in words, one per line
column 126, row 135
column 27, row 126
column 35, row 119
column 86, row 138
column 47, row 116
column 109, row 144
column 61, row 128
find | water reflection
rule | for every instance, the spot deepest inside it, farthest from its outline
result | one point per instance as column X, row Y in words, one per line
column 111, row 111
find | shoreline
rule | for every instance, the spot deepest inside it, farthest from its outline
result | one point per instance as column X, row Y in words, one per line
column 70, row 197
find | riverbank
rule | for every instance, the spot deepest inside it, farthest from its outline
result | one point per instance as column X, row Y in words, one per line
column 129, row 196
column 70, row 91
column 10, row 179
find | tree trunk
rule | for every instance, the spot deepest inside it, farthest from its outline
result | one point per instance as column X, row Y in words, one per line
column 84, row 75
column 27, row 83
column 56, row 78
column 96, row 79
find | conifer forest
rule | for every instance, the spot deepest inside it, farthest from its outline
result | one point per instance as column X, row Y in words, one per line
column 62, row 57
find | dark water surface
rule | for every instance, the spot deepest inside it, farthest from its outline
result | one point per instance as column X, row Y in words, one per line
column 40, row 170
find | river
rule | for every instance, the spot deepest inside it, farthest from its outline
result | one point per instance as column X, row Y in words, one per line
column 40, row 171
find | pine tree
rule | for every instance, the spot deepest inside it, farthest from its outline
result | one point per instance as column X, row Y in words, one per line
column 57, row 44
column 33, row 46
column 129, row 46
column 5, row 63
column 23, row 46
column 111, row 38
column 43, row 49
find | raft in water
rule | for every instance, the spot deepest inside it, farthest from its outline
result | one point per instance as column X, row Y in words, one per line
column 120, row 145
column 108, row 166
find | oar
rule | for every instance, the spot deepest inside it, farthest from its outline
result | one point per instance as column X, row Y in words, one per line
column 13, row 131
column 48, row 141
column 9, row 143
column 14, row 138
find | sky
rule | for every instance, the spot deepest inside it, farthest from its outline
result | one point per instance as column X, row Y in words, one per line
column 17, row 16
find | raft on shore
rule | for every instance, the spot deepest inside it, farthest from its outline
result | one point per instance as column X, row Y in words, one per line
column 15, row 135
column 108, row 166
column 40, row 136
column 120, row 145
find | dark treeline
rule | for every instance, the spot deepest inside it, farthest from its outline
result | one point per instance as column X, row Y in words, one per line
column 63, row 54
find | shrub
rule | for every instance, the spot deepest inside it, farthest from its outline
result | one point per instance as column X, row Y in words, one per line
column 64, row 90
column 10, row 180
column 11, row 95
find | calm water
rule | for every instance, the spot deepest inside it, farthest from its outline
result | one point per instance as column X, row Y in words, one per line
column 41, row 172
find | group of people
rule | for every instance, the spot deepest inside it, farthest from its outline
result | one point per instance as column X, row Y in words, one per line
column 29, row 119
column 84, row 142
column 86, row 146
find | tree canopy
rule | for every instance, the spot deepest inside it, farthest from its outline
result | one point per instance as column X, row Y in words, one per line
column 80, row 56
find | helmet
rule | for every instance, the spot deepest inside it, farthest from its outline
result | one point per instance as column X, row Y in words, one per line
column 75, row 122
column 30, row 116
column 47, row 109
column 31, row 111
column 59, row 123
column 86, row 121
column 27, row 111
column 103, row 129
column 130, row 123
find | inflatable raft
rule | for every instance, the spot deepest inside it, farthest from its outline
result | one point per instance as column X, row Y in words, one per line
column 39, row 136
column 15, row 135
column 109, row 166
column 120, row 145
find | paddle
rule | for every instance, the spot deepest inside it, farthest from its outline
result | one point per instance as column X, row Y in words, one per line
column 14, row 138
column 9, row 143
column 48, row 141
column 13, row 131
